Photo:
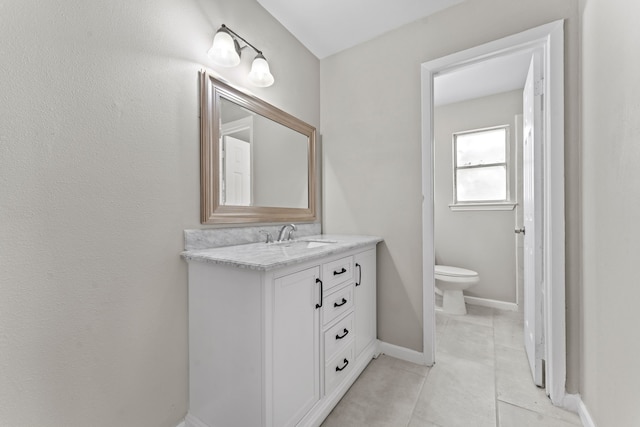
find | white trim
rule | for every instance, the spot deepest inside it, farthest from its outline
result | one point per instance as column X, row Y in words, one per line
column 428, row 249
column 571, row 402
column 401, row 353
column 192, row 421
column 585, row 416
column 497, row 206
column 574, row 403
column 550, row 38
column 182, row 424
column 554, row 231
column 485, row 302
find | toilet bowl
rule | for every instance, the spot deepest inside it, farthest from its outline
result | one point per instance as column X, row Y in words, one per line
column 451, row 282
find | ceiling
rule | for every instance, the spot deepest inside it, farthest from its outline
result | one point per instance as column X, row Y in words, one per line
column 326, row 27
column 491, row 76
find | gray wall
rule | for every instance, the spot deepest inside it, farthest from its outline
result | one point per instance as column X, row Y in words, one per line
column 482, row 241
column 611, row 208
column 370, row 113
column 99, row 176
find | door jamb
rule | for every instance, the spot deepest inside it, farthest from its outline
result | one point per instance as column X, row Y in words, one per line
column 550, row 38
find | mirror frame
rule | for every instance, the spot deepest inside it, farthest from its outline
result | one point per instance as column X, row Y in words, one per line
column 211, row 211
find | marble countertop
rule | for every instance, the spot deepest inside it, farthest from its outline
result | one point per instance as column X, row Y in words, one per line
column 268, row 256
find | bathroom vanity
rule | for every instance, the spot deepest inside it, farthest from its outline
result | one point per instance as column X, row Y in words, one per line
column 278, row 332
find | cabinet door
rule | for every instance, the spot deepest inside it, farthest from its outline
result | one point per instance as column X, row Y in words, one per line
column 296, row 346
column 365, row 299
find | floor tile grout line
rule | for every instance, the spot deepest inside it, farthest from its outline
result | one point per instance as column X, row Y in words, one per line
column 415, row 405
column 533, row 411
column 544, row 414
column 495, row 369
column 411, row 416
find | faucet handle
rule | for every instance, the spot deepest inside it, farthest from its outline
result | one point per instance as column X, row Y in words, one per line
column 269, row 239
column 293, row 228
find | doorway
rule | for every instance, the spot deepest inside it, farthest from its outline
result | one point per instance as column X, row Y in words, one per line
column 549, row 40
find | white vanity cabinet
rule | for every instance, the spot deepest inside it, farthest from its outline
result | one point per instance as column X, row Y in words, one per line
column 279, row 347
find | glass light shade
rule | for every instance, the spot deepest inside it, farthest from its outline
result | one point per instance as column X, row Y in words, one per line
column 260, row 75
column 224, row 51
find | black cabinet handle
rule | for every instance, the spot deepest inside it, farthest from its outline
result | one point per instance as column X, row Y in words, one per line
column 319, row 281
column 346, row 363
column 344, row 270
column 344, row 301
column 359, row 274
column 345, row 333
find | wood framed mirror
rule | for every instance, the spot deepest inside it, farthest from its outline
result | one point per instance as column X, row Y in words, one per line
column 257, row 162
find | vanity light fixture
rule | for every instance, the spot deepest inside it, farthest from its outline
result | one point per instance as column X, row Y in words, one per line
column 226, row 52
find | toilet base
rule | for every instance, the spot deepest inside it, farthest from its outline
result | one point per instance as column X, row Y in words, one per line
column 453, row 302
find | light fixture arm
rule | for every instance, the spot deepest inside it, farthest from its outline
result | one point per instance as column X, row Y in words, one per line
column 242, row 38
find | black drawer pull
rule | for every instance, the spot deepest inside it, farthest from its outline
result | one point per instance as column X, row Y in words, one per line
column 344, row 301
column 345, row 333
column 344, row 270
column 359, row 282
column 346, row 363
column 321, row 296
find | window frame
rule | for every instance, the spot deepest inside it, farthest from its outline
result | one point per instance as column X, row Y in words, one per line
column 503, row 204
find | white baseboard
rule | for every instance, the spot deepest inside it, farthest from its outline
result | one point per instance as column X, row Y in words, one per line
column 585, row 416
column 192, row 421
column 401, row 353
column 574, row 403
column 570, row 402
column 484, row 302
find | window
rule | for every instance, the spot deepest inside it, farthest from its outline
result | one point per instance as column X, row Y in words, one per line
column 480, row 169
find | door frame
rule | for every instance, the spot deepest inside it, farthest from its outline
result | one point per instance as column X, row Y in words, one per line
column 550, row 39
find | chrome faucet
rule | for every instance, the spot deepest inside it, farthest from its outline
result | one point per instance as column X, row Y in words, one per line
column 286, row 231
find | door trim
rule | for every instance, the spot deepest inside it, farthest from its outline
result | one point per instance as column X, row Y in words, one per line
column 549, row 38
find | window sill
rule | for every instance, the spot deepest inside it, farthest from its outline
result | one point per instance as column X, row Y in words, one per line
column 497, row 206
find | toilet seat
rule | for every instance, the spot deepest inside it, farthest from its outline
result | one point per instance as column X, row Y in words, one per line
column 455, row 274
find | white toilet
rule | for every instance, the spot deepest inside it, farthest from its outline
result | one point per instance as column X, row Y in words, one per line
column 451, row 281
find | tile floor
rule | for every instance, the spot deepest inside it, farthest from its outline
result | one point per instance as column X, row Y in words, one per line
column 481, row 378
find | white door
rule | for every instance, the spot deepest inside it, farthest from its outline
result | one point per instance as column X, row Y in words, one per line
column 296, row 346
column 532, row 215
column 237, row 172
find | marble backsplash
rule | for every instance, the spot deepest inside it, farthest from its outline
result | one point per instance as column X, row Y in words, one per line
column 217, row 237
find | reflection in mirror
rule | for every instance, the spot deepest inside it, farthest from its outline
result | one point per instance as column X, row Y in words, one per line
column 258, row 162
column 262, row 162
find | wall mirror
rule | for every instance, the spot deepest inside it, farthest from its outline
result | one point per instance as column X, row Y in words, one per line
column 257, row 161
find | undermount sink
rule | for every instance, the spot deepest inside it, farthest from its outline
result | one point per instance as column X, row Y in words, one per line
column 306, row 244
column 318, row 243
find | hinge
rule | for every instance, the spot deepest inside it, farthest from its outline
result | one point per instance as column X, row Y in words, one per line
column 538, row 88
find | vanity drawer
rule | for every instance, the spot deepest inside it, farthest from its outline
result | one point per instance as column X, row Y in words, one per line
column 338, row 336
column 337, row 303
column 338, row 368
column 336, row 272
